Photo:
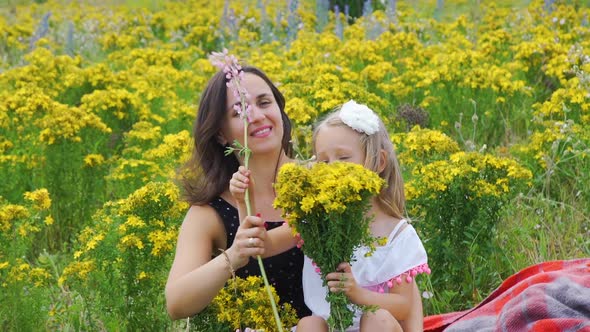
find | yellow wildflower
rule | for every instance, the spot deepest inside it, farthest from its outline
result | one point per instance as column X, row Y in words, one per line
column 40, row 198
column 93, row 160
column 48, row 220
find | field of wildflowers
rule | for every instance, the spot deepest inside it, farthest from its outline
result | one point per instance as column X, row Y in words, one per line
column 487, row 104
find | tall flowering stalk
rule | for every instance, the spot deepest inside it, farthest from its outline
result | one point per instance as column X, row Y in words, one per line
column 234, row 75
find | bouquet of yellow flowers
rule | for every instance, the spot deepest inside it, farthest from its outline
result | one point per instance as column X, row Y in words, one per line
column 242, row 305
column 327, row 204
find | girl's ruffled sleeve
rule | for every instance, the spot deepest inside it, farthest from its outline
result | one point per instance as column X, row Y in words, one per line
column 400, row 260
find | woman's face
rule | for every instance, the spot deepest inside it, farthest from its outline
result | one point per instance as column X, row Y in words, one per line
column 265, row 131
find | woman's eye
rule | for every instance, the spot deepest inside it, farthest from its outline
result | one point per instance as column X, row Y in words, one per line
column 344, row 158
column 235, row 110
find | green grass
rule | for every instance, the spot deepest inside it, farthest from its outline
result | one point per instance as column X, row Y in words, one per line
column 541, row 229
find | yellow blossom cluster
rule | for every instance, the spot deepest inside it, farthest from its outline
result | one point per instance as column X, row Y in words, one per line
column 323, row 187
column 142, row 225
column 40, row 198
column 9, row 214
column 244, row 303
column 422, row 145
column 23, row 220
column 19, row 227
column 118, row 101
column 63, row 122
column 477, row 174
column 23, row 273
column 93, row 160
column 77, row 270
column 149, row 156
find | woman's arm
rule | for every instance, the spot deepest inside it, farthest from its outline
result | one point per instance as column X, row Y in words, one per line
column 195, row 278
column 279, row 239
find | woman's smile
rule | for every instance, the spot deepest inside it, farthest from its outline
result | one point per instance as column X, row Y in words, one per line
column 261, row 132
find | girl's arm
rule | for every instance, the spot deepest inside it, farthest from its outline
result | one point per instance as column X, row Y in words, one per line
column 402, row 301
column 195, row 278
column 238, row 185
column 415, row 319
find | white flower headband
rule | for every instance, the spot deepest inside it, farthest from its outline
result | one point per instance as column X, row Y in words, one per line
column 359, row 117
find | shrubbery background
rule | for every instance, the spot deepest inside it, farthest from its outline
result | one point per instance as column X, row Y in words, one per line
column 488, row 105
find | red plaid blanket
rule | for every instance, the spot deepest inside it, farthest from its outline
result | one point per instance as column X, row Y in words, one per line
column 551, row 296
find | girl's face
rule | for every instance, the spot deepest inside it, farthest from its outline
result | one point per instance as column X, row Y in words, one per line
column 339, row 143
column 265, row 130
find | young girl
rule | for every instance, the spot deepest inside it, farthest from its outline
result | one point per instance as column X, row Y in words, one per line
column 386, row 279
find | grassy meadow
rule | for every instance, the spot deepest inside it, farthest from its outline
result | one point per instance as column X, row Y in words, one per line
column 487, row 103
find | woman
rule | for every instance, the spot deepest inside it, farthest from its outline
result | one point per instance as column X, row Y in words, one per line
column 212, row 242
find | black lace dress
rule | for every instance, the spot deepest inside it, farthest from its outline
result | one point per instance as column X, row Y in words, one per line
column 283, row 271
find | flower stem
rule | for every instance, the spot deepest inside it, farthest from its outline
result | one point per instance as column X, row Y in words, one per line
column 249, row 212
column 246, row 162
column 272, row 300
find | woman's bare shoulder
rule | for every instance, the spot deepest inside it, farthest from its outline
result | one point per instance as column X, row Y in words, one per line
column 198, row 213
column 203, row 221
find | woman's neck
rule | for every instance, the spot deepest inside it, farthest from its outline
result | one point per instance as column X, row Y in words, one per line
column 263, row 170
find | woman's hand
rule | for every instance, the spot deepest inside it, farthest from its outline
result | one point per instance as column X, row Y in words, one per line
column 248, row 242
column 343, row 281
column 239, row 184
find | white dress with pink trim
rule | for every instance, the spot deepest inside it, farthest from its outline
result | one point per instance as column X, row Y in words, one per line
column 399, row 260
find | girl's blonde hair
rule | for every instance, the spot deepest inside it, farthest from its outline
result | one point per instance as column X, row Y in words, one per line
column 391, row 199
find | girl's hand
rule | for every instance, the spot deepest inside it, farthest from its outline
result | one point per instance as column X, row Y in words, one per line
column 248, row 242
column 239, row 184
column 342, row 280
